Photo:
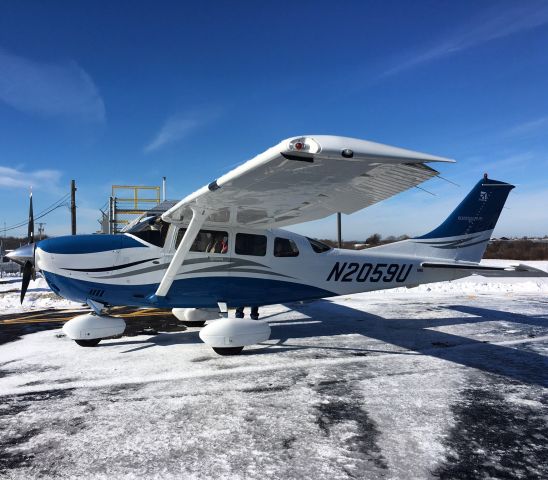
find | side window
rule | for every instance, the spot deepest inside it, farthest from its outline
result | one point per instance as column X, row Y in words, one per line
column 318, row 246
column 249, row 244
column 284, row 247
column 207, row 241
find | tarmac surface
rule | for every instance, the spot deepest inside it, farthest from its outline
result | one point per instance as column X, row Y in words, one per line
column 395, row 386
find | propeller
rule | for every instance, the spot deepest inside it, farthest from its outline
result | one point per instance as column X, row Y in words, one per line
column 30, row 233
column 26, row 254
column 28, row 274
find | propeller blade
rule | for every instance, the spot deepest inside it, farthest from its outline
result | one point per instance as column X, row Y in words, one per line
column 34, row 261
column 31, row 222
column 27, row 274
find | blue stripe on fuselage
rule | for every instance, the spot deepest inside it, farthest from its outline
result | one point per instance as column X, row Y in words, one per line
column 202, row 292
column 74, row 244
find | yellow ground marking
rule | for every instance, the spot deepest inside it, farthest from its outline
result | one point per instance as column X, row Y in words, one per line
column 66, row 315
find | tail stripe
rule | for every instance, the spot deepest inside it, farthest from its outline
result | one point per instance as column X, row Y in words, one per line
column 461, row 245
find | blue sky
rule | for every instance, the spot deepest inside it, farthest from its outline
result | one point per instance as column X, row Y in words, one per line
column 127, row 92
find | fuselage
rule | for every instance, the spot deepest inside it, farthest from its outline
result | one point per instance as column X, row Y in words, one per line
column 251, row 267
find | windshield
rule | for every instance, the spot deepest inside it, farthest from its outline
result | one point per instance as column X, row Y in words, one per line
column 150, row 229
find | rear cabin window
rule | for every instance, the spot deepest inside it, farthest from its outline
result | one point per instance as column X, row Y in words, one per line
column 250, row 244
column 317, row 246
column 207, row 241
column 284, row 247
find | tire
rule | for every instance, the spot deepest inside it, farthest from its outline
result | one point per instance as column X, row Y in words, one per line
column 228, row 350
column 187, row 323
column 88, row 343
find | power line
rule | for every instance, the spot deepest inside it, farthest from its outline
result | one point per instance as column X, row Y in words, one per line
column 54, row 206
column 22, row 224
column 63, row 198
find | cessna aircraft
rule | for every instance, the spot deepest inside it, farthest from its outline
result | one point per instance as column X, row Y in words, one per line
column 221, row 246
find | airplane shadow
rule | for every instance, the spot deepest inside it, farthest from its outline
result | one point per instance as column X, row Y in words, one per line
column 160, row 340
column 413, row 335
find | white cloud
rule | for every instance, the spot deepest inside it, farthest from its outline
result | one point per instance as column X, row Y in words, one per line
column 179, row 127
column 527, row 129
column 495, row 23
column 38, row 179
column 48, row 89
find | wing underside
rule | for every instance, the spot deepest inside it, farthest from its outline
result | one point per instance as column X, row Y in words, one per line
column 308, row 178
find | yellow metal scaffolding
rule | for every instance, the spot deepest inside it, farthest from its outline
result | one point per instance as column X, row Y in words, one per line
column 130, row 201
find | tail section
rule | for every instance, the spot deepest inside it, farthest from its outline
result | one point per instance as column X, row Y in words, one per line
column 463, row 236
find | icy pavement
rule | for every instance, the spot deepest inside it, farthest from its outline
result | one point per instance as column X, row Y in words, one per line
column 449, row 382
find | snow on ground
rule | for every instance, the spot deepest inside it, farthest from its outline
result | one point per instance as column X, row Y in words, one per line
column 449, row 382
column 38, row 297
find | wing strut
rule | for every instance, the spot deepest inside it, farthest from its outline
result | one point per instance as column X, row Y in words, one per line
column 198, row 217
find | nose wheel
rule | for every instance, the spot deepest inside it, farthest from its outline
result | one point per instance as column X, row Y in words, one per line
column 88, row 343
column 89, row 329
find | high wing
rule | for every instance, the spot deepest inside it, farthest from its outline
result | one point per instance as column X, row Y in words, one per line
column 307, row 178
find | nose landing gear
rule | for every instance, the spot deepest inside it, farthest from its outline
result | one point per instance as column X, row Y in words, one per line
column 89, row 329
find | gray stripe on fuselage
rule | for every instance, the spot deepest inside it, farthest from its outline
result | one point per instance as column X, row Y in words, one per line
column 227, row 263
column 139, row 271
column 232, row 269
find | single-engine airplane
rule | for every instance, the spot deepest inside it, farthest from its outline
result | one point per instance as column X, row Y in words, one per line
column 222, row 245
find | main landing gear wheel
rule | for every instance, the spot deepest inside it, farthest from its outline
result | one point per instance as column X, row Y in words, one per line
column 88, row 343
column 229, row 336
column 228, row 350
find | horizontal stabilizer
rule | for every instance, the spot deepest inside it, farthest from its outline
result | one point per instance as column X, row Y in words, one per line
column 520, row 270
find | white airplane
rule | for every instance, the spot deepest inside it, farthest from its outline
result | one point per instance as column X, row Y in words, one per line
column 222, row 247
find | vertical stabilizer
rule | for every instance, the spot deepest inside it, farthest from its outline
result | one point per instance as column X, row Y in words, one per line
column 463, row 236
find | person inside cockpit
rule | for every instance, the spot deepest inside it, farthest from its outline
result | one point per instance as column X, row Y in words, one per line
column 150, row 229
column 218, row 244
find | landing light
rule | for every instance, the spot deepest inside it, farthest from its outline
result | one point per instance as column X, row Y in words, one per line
column 304, row 145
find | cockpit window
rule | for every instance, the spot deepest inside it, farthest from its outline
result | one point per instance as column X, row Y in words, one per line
column 285, row 247
column 208, row 241
column 151, row 229
column 317, row 246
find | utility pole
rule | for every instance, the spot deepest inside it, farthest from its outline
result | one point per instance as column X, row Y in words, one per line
column 40, row 229
column 73, row 206
column 111, row 215
column 339, row 233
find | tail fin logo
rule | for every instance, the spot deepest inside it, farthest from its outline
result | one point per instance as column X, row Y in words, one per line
column 484, row 196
